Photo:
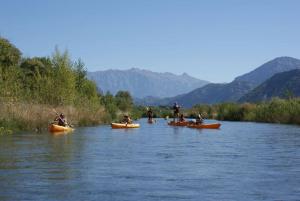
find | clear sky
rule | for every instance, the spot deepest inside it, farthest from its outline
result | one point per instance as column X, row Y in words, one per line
column 215, row 40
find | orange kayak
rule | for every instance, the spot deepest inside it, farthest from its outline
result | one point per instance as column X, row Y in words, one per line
column 56, row 128
column 180, row 123
column 121, row 125
column 211, row 126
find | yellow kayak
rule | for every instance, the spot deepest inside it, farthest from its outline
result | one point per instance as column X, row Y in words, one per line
column 122, row 125
column 56, row 128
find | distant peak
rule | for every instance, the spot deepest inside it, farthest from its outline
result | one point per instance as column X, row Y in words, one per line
column 284, row 58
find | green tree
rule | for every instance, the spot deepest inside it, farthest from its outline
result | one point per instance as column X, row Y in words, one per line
column 81, row 72
column 63, row 89
column 124, row 101
column 33, row 72
column 108, row 100
column 9, row 54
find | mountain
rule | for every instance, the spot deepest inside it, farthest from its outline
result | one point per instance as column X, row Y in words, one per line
column 280, row 85
column 233, row 91
column 209, row 94
column 267, row 70
column 143, row 83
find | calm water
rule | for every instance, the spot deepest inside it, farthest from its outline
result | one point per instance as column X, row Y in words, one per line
column 241, row 161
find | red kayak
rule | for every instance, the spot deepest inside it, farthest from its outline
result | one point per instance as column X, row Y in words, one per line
column 210, row 126
column 179, row 123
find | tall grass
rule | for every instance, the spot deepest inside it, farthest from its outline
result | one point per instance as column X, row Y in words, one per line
column 277, row 110
column 28, row 116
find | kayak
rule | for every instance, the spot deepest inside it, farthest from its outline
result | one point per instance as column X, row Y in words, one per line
column 211, row 126
column 179, row 123
column 56, row 128
column 122, row 125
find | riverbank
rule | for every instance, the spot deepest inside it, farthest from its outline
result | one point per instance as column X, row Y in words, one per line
column 16, row 116
column 283, row 111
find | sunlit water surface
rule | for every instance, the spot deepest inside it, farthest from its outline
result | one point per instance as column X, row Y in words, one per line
column 240, row 161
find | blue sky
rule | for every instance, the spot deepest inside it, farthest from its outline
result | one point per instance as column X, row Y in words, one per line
column 213, row 40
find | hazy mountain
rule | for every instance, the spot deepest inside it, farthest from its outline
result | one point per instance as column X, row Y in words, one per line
column 231, row 92
column 267, row 70
column 209, row 94
column 143, row 83
column 280, row 85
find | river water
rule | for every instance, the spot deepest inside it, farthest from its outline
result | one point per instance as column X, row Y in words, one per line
column 240, row 161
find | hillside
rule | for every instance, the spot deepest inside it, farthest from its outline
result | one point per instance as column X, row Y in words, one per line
column 209, row 94
column 143, row 83
column 280, row 85
column 233, row 91
column 267, row 70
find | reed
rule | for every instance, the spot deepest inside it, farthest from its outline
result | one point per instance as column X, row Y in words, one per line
column 16, row 116
column 277, row 110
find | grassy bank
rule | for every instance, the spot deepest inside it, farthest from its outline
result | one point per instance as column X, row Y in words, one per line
column 286, row 111
column 36, row 117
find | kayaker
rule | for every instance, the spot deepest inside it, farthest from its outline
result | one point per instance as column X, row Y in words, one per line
column 199, row 119
column 126, row 119
column 61, row 121
column 181, row 118
column 149, row 114
column 176, row 111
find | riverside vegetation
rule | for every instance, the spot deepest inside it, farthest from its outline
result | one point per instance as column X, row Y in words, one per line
column 276, row 110
column 286, row 111
column 33, row 90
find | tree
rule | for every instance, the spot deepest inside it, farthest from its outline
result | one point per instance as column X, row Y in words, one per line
column 63, row 89
column 80, row 71
column 124, row 101
column 35, row 76
column 9, row 54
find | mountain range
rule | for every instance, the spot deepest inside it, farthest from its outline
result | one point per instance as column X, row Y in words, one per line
column 144, row 83
column 282, row 85
column 267, row 70
column 233, row 91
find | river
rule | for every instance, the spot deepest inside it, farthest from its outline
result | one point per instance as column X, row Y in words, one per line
column 240, row 161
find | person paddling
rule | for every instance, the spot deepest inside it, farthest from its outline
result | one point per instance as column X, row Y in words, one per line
column 176, row 108
column 181, row 118
column 126, row 119
column 61, row 121
column 199, row 119
column 150, row 114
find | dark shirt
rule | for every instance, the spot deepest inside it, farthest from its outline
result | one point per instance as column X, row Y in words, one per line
column 176, row 108
column 61, row 121
column 150, row 114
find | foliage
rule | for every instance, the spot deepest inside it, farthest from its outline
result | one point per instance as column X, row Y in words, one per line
column 274, row 111
column 31, row 86
column 124, row 101
column 9, row 54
